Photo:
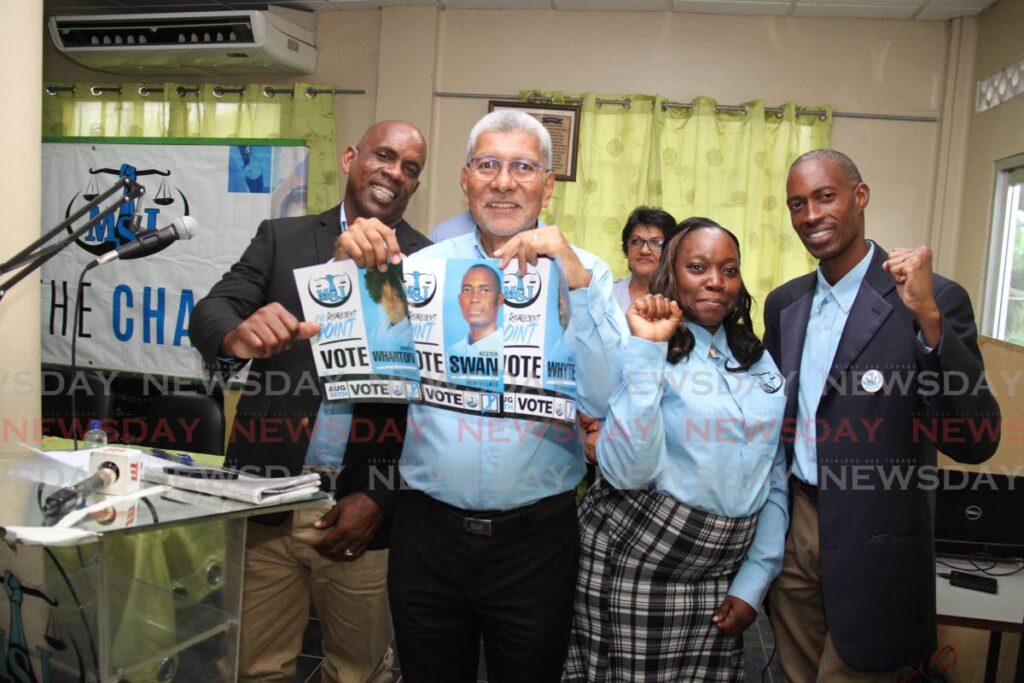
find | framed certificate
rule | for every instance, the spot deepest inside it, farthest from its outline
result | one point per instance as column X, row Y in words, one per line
column 562, row 122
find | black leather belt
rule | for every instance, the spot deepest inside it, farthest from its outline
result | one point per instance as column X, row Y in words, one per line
column 498, row 522
column 808, row 490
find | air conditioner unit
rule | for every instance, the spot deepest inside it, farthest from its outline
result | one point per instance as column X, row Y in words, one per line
column 276, row 41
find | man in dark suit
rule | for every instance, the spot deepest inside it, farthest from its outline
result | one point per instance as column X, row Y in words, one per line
column 865, row 342
column 337, row 554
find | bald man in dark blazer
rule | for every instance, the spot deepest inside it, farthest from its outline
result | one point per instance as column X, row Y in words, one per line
column 864, row 342
column 335, row 554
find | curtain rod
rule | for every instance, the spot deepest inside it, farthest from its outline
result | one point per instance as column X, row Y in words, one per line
column 689, row 105
column 218, row 90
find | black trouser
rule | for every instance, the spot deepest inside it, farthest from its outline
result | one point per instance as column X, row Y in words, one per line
column 508, row 576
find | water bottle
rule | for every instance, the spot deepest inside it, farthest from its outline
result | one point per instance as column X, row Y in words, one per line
column 95, row 437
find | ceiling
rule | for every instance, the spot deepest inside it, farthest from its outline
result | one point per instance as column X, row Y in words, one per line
column 920, row 10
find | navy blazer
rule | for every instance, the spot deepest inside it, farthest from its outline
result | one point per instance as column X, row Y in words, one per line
column 876, row 456
column 272, row 425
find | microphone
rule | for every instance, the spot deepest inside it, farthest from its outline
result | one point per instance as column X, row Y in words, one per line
column 183, row 228
column 67, row 498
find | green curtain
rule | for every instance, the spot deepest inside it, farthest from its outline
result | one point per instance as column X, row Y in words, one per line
column 727, row 166
column 176, row 110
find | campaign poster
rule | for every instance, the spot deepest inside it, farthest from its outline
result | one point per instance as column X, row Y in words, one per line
column 458, row 335
column 473, row 334
column 484, row 336
column 364, row 350
column 540, row 359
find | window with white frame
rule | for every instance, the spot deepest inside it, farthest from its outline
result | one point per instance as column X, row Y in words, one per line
column 1004, row 301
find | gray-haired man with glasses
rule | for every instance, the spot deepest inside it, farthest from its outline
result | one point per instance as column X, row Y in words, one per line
column 485, row 539
column 521, row 170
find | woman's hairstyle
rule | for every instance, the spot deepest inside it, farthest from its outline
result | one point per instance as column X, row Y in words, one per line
column 645, row 215
column 746, row 348
column 375, row 281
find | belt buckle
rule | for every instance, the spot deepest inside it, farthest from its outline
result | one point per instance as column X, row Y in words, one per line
column 475, row 525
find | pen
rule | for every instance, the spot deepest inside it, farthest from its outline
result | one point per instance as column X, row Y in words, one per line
column 178, row 458
column 201, row 472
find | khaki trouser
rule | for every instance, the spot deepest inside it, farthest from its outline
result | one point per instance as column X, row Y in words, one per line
column 805, row 647
column 283, row 573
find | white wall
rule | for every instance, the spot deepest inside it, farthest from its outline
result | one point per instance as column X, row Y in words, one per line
column 20, row 130
column 856, row 66
column 401, row 55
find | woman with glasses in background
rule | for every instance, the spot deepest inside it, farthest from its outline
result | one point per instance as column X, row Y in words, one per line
column 646, row 231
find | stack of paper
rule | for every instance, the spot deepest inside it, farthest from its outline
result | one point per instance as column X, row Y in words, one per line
column 243, row 487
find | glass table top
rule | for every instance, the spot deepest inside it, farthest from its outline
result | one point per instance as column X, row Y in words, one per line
column 27, row 478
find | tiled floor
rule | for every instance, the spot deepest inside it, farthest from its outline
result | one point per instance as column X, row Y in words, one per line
column 759, row 656
column 758, row 652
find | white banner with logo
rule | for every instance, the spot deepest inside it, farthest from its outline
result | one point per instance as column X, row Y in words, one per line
column 134, row 313
column 456, row 333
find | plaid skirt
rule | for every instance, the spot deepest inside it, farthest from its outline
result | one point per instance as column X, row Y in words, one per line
column 652, row 574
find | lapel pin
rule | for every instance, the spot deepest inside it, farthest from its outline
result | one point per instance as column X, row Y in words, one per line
column 770, row 382
column 871, row 381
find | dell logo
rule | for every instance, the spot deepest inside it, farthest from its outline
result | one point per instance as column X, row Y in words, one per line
column 972, row 513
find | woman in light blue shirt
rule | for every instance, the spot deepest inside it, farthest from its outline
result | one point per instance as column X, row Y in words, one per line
column 684, row 533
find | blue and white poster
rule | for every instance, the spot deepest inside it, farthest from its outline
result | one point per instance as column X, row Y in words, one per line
column 473, row 334
column 364, row 350
column 507, row 352
column 133, row 315
column 459, row 334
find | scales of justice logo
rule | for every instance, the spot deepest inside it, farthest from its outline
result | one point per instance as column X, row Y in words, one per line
column 331, row 290
column 16, row 663
column 521, row 290
column 420, row 287
column 132, row 218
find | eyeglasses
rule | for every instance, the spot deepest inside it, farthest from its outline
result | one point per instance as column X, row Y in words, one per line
column 489, row 168
column 637, row 243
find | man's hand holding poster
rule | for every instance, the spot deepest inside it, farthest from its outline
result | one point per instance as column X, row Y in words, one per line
column 455, row 333
column 364, row 350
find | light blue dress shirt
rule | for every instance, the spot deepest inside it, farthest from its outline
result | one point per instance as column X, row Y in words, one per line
column 461, row 224
column 620, row 292
column 829, row 310
column 499, row 463
column 708, row 438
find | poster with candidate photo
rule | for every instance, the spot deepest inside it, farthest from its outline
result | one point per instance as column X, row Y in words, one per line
column 483, row 337
column 540, row 366
column 473, row 337
column 458, row 337
column 364, row 350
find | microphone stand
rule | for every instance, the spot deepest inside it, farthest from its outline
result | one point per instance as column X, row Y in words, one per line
column 32, row 257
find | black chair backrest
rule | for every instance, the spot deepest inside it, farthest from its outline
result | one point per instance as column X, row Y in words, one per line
column 93, row 401
column 185, row 421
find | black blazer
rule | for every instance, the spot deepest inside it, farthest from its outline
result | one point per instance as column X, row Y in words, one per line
column 875, row 534
column 278, row 406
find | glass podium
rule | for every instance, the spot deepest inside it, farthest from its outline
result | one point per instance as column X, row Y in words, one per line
column 151, row 593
